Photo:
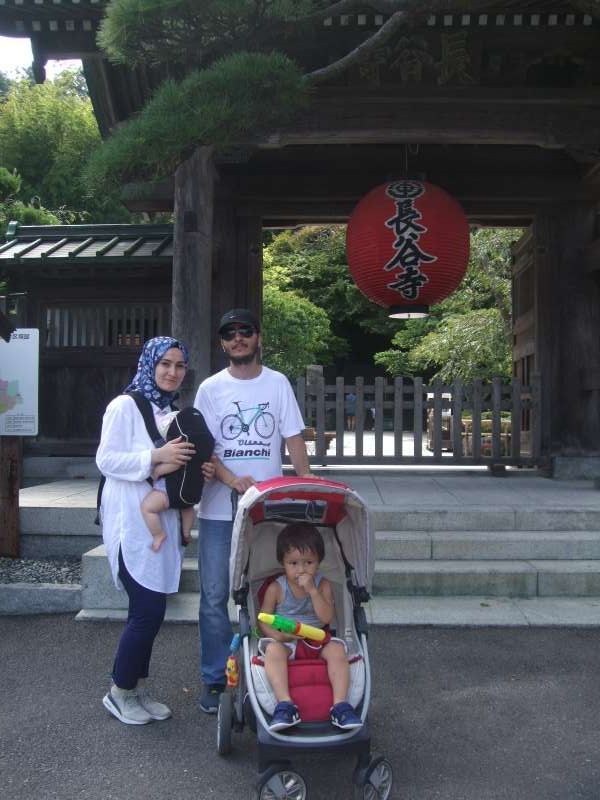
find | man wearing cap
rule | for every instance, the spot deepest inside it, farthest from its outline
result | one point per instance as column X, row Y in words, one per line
column 249, row 409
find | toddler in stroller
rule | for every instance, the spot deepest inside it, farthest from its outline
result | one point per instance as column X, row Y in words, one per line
column 305, row 595
column 339, row 517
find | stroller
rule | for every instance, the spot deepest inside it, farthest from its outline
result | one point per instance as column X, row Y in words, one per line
column 341, row 517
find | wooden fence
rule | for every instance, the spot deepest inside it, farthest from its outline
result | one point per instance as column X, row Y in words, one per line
column 405, row 421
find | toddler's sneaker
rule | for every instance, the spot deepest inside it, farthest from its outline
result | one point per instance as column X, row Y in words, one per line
column 285, row 715
column 343, row 716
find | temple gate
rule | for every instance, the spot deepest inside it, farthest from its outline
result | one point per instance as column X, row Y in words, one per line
column 496, row 102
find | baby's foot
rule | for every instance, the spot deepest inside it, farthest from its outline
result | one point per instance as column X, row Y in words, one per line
column 158, row 540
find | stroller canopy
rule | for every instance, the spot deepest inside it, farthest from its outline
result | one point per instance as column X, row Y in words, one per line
column 321, row 502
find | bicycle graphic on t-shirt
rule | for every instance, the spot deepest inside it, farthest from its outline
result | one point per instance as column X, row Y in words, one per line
column 233, row 425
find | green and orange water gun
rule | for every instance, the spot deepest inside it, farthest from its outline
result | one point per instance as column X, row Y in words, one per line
column 292, row 627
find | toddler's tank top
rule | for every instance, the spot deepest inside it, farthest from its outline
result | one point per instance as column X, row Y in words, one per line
column 300, row 609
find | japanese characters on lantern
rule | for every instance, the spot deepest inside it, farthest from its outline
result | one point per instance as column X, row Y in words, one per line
column 407, row 245
column 407, row 230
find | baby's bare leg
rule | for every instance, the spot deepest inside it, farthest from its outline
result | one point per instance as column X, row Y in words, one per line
column 152, row 504
column 276, row 667
column 337, row 669
column 187, row 522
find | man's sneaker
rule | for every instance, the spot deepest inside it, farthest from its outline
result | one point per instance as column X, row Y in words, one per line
column 125, row 706
column 209, row 700
column 343, row 716
column 285, row 715
column 151, row 706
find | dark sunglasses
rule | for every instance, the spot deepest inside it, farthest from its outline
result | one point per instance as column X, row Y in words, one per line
column 229, row 333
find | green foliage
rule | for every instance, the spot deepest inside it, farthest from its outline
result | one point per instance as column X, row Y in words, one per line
column 468, row 334
column 224, row 104
column 193, row 33
column 46, row 133
column 15, row 211
column 5, row 84
column 312, row 261
column 295, row 332
column 467, row 346
column 72, row 82
column 10, row 183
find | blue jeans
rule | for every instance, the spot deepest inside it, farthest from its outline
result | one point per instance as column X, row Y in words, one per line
column 214, row 544
column 146, row 613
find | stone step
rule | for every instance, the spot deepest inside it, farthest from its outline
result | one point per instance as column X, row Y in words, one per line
column 527, row 517
column 539, row 578
column 99, row 591
column 476, row 611
column 487, row 545
column 460, row 544
column 57, row 517
column 408, row 578
column 181, row 607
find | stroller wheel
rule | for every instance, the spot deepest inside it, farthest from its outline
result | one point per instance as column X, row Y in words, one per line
column 373, row 782
column 278, row 783
column 224, row 723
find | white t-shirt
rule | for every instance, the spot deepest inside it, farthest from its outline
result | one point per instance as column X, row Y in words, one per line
column 248, row 419
column 124, row 457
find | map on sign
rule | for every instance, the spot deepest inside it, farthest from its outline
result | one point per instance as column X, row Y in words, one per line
column 9, row 395
column 19, row 366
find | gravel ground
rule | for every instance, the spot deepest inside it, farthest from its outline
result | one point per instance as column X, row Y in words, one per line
column 48, row 570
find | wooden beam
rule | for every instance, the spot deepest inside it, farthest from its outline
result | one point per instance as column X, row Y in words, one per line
column 328, row 175
column 550, row 122
column 192, row 264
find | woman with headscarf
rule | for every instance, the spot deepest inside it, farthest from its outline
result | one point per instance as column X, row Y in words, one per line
column 126, row 457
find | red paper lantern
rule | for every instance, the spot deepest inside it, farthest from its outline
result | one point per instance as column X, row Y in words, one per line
column 407, row 246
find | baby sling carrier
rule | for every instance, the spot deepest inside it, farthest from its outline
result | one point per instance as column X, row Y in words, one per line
column 184, row 486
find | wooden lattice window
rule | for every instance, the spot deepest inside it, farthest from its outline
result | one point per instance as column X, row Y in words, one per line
column 105, row 325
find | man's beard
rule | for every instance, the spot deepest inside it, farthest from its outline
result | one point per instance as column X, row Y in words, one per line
column 239, row 361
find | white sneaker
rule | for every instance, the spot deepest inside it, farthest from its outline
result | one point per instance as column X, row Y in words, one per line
column 151, row 706
column 125, row 706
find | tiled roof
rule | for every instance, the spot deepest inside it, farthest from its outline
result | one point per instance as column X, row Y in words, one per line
column 54, row 245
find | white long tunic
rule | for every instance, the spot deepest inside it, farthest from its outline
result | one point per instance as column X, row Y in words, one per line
column 124, row 457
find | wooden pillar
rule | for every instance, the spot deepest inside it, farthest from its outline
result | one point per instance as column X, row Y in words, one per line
column 237, row 265
column 10, row 481
column 567, row 332
column 192, row 264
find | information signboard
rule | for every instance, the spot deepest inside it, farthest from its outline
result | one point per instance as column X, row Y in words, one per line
column 19, row 370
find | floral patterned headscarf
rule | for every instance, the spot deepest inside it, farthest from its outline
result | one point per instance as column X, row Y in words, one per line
column 144, row 381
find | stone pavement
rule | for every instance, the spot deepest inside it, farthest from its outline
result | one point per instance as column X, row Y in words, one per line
column 462, row 714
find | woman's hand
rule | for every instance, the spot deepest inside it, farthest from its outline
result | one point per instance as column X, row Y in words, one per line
column 209, row 469
column 177, row 451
